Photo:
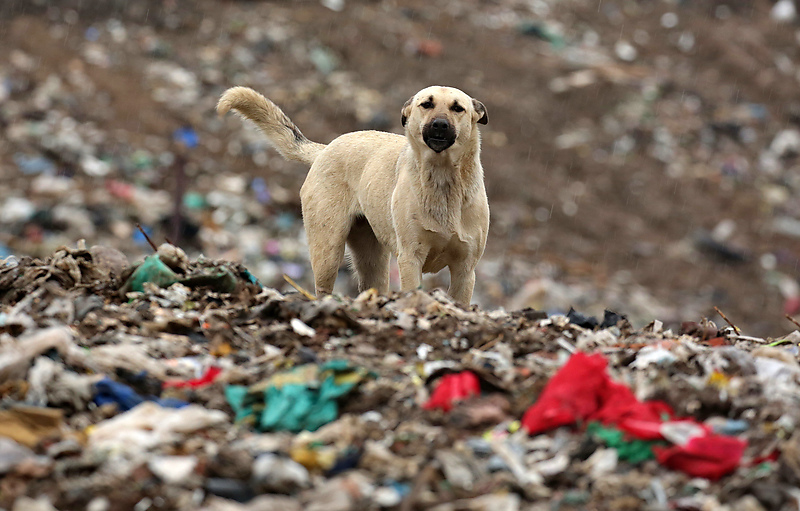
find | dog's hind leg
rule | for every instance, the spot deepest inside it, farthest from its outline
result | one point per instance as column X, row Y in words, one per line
column 326, row 228
column 327, row 253
column 370, row 257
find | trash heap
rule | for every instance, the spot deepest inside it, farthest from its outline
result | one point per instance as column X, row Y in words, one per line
column 187, row 384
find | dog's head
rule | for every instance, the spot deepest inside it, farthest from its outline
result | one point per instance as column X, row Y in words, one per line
column 442, row 117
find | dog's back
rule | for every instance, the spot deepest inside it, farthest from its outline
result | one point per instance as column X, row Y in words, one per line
column 364, row 154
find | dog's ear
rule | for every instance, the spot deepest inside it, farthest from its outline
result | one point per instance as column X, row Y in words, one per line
column 481, row 111
column 406, row 111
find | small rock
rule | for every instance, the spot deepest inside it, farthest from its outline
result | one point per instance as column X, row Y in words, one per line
column 109, row 259
column 278, row 474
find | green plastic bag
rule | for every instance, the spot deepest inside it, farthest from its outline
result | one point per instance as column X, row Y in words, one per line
column 151, row 270
column 633, row 451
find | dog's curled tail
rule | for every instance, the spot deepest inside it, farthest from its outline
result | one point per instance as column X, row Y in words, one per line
column 276, row 125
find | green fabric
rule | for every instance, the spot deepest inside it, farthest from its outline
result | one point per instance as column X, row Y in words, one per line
column 235, row 395
column 304, row 398
column 633, row 451
column 152, row 270
column 290, row 408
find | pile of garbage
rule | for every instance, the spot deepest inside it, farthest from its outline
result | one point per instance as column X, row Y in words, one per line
column 187, row 384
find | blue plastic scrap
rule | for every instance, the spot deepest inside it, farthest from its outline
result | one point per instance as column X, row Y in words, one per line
column 109, row 391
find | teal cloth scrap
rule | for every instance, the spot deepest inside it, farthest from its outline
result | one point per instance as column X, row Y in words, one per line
column 304, row 398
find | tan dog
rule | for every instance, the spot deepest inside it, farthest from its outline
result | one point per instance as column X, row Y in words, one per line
column 420, row 196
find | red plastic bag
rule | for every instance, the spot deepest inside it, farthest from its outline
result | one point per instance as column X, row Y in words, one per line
column 582, row 391
column 452, row 388
column 207, row 379
column 711, row 456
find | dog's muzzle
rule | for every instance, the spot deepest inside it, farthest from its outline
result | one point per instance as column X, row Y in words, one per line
column 439, row 134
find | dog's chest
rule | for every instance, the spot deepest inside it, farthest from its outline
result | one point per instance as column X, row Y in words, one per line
column 444, row 250
column 450, row 240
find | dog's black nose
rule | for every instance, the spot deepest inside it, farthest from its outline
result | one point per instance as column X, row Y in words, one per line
column 439, row 128
column 439, row 134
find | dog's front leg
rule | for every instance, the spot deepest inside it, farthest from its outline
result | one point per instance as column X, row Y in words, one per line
column 462, row 282
column 410, row 265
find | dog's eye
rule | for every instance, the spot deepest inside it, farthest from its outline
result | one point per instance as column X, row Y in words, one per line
column 427, row 105
column 457, row 108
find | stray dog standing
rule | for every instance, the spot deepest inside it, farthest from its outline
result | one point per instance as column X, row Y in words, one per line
column 420, row 196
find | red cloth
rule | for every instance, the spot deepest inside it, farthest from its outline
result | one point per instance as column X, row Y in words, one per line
column 711, row 456
column 451, row 388
column 207, row 379
column 582, row 391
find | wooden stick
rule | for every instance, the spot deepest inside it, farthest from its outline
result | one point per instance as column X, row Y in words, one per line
column 180, row 188
column 749, row 338
column 735, row 328
column 423, row 477
column 793, row 320
column 147, row 237
column 491, row 343
column 297, row 286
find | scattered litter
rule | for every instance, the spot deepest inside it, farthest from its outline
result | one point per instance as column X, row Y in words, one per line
column 221, row 396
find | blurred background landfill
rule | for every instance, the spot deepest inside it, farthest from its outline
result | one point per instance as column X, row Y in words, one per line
column 640, row 156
